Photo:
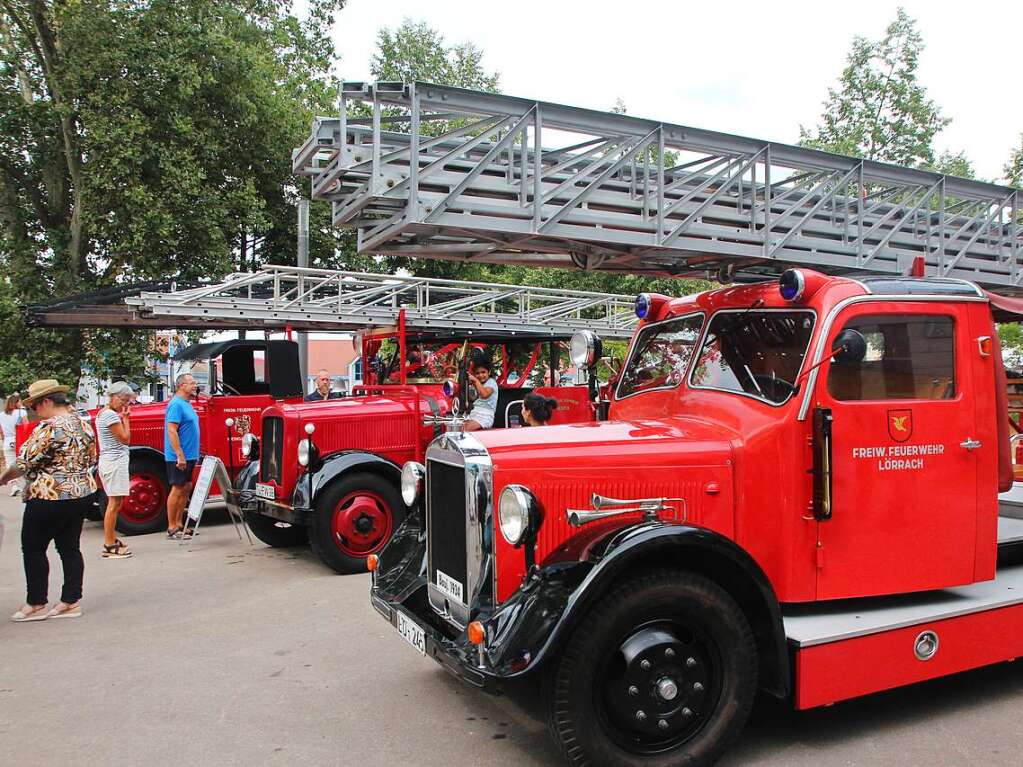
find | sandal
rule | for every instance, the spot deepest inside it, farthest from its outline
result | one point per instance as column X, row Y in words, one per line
column 117, row 551
column 172, row 534
column 69, row 611
column 35, row 613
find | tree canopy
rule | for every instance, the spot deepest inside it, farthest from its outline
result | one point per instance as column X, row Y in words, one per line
column 143, row 140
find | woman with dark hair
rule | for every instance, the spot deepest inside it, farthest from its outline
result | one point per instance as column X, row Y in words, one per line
column 58, row 460
column 538, row 409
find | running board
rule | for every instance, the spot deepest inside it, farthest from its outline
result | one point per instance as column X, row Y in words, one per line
column 851, row 648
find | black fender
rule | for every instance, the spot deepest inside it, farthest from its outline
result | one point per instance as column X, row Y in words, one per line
column 148, row 454
column 246, row 478
column 645, row 545
column 334, row 466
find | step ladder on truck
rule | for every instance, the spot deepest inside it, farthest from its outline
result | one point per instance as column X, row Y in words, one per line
column 418, row 340
column 797, row 487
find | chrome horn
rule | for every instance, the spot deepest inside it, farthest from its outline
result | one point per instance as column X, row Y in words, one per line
column 604, row 507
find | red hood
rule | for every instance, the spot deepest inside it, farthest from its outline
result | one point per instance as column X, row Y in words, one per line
column 617, row 443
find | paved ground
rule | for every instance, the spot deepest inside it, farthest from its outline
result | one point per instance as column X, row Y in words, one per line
column 215, row 653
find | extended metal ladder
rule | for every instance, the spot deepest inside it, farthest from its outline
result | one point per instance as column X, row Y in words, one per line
column 328, row 300
column 443, row 172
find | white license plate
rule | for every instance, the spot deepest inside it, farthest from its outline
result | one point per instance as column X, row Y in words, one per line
column 265, row 491
column 412, row 633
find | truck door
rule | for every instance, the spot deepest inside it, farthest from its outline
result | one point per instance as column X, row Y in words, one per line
column 903, row 463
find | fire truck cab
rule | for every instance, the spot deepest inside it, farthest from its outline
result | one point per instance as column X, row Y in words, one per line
column 796, row 490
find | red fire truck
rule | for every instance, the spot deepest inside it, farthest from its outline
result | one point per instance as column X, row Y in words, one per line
column 245, row 376
column 328, row 472
column 661, row 566
column 797, row 487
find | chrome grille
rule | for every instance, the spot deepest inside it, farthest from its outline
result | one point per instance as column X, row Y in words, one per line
column 272, row 449
column 459, row 514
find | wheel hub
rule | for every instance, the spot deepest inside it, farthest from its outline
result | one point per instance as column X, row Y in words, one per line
column 145, row 499
column 361, row 523
column 658, row 688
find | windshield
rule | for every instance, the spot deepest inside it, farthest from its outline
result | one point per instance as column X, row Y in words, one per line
column 757, row 353
column 660, row 355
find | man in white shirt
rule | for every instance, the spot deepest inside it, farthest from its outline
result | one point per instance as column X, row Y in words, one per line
column 113, row 431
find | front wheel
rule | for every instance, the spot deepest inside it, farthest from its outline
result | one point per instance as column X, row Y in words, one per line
column 277, row 534
column 662, row 672
column 354, row 518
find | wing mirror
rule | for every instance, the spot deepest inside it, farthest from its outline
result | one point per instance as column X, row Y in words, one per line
column 850, row 347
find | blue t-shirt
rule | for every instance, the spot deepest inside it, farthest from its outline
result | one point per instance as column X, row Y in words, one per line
column 180, row 411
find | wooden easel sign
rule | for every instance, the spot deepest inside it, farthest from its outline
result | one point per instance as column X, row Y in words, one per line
column 212, row 468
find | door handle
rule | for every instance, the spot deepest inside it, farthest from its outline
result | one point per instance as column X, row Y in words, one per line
column 970, row 444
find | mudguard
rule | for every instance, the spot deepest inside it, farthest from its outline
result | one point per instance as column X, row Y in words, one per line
column 144, row 453
column 553, row 601
column 335, row 465
column 247, row 476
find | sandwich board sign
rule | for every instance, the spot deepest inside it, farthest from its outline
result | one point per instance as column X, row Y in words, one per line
column 212, row 468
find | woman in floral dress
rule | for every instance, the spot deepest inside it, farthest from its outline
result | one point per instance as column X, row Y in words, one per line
column 58, row 461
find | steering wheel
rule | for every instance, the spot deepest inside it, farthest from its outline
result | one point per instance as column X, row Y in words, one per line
column 226, row 387
column 774, row 389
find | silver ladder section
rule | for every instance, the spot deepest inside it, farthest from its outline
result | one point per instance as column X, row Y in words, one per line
column 443, row 172
column 321, row 299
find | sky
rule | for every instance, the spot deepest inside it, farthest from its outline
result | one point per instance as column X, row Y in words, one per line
column 757, row 69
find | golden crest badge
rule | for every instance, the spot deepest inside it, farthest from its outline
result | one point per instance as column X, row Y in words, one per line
column 900, row 424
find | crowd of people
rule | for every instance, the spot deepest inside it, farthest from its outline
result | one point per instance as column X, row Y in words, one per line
column 60, row 462
column 58, row 465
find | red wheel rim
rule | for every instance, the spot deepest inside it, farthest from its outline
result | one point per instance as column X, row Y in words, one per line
column 146, row 498
column 361, row 523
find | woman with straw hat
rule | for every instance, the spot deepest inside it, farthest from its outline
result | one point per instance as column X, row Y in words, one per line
column 57, row 460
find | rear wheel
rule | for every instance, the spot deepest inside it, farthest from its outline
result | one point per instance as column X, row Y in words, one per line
column 144, row 510
column 275, row 533
column 662, row 672
column 354, row 518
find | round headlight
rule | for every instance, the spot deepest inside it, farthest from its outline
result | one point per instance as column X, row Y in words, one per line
column 249, row 444
column 412, row 475
column 585, row 348
column 514, row 511
column 304, row 451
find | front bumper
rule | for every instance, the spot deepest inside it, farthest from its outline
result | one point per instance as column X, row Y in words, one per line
column 520, row 634
column 295, row 515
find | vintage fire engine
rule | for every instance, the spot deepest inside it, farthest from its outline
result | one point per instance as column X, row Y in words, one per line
column 797, row 488
column 328, row 472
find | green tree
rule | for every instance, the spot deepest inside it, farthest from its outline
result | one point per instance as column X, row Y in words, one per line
column 415, row 51
column 147, row 139
column 879, row 111
column 1014, row 167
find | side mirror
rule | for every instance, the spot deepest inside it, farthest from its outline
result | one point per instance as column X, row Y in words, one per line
column 850, row 347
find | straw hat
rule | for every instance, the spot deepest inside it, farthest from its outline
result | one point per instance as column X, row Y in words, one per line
column 39, row 389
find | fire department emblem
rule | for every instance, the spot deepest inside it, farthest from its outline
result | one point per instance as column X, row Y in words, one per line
column 900, row 424
column 242, row 425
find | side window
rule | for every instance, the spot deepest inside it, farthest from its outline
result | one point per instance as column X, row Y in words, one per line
column 909, row 356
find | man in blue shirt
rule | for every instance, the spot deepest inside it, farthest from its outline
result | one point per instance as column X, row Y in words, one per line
column 180, row 450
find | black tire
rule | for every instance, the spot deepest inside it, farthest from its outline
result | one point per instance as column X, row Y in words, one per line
column 322, row 535
column 98, row 508
column 277, row 534
column 690, row 633
column 157, row 521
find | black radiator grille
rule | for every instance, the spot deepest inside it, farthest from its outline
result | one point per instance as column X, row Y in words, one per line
column 272, row 449
column 446, row 521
